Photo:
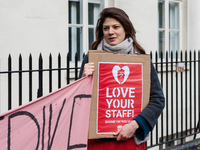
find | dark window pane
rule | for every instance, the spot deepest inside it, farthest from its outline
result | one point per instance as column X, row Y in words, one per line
column 75, row 42
column 74, row 12
column 174, row 41
column 173, row 15
column 161, row 42
column 93, row 12
column 91, row 37
column 161, row 14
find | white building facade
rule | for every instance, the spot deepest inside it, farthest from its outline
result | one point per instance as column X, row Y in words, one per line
column 39, row 26
column 44, row 27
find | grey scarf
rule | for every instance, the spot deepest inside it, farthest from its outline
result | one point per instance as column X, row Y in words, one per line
column 125, row 47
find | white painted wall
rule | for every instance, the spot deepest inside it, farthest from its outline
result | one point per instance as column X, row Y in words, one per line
column 184, row 25
column 109, row 3
column 33, row 26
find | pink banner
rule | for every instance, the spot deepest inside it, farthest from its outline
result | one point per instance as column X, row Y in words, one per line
column 57, row 121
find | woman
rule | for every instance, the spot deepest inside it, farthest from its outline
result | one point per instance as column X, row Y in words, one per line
column 115, row 33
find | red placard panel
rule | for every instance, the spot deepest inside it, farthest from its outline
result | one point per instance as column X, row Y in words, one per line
column 119, row 100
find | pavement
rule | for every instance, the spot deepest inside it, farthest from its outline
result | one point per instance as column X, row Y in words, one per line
column 193, row 145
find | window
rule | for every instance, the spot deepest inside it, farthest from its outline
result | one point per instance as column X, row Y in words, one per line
column 174, row 28
column 168, row 26
column 82, row 18
column 161, row 26
column 93, row 14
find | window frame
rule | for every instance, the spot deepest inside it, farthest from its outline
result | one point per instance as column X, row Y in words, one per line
column 84, row 25
column 167, row 29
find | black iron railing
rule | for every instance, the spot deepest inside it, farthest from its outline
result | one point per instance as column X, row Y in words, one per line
column 40, row 71
column 179, row 121
column 179, row 75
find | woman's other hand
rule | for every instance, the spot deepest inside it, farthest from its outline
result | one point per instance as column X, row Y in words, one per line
column 127, row 131
column 88, row 69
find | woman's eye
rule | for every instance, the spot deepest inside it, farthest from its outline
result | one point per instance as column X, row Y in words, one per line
column 106, row 28
column 116, row 27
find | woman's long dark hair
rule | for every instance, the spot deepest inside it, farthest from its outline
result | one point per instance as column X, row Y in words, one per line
column 122, row 17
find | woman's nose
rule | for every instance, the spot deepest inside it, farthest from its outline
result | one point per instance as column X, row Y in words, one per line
column 110, row 31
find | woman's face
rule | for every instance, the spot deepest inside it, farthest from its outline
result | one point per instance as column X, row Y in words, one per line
column 113, row 31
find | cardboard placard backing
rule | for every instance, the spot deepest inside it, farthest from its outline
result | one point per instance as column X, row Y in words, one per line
column 101, row 57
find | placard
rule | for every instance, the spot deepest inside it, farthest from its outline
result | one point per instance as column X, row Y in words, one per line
column 120, row 91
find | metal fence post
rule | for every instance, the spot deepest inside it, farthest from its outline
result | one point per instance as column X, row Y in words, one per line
column 9, row 82
column 40, row 77
column 20, row 79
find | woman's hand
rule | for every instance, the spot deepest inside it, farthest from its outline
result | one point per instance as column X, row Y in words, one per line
column 127, row 131
column 88, row 69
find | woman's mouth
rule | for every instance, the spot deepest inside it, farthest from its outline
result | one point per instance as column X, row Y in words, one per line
column 112, row 39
